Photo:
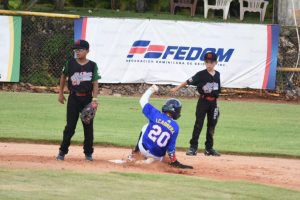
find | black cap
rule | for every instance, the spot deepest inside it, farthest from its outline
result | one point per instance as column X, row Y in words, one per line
column 81, row 44
column 210, row 56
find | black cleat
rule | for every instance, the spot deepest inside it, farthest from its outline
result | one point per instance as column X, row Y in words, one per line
column 211, row 152
column 60, row 156
column 191, row 151
column 88, row 157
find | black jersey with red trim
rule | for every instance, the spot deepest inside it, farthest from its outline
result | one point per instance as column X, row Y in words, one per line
column 81, row 77
column 207, row 84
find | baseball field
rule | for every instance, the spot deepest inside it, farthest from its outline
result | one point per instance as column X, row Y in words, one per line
column 259, row 142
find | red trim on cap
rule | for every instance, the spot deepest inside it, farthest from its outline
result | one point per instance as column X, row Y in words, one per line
column 77, row 42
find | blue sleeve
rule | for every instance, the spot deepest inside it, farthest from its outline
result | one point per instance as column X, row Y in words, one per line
column 151, row 112
column 172, row 143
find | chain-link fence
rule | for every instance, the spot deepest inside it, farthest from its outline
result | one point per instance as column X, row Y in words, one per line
column 45, row 47
column 47, row 42
column 288, row 58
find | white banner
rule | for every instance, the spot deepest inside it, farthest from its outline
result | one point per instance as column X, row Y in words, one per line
column 170, row 52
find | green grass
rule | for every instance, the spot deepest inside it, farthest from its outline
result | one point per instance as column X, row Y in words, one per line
column 42, row 184
column 243, row 128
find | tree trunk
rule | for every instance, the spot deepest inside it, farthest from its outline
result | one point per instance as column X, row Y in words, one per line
column 275, row 11
column 31, row 4
column 5, row 4
column 140, row 5
column 59, row 4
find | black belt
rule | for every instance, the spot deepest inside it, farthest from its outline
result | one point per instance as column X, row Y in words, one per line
column 81, row 94
column 208, row 98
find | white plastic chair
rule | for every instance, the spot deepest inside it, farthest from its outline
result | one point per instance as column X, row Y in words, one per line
column 220, row 5
column 253, row 6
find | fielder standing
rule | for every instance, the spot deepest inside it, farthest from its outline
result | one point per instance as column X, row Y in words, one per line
column 209, row 87
column 83, row 78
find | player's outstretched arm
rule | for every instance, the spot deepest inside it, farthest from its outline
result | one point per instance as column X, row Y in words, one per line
column 175, row 89
column 145, row 98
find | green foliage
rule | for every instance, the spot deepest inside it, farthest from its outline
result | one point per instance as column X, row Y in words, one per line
column 46, row 45
column 89, row 4
column 53, row 44
column 164, row 5
column 127, row 5
column 101, row 4
column 15, row 4
column 159, row 6
column 77, row 2
column 155, row 5
column 42, row 77
column 45, row 1
column 269, row 11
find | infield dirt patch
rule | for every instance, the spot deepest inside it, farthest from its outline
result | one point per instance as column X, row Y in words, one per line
column 280, row 172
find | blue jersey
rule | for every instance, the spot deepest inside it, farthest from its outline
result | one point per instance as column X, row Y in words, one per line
column 161, row 133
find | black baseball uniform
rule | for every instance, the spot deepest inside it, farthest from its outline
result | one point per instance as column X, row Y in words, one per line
column 209, row 88
column 80, row 85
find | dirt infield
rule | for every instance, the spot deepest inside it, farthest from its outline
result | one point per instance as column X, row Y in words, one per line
column 280, row 172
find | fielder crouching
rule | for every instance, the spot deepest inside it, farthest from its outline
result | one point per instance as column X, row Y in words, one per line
column 158, row 137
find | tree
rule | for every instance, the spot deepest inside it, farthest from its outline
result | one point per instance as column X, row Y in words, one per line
column 5, row 4
column 275, row 11
column 30, row 4
column 140, row 5
column 59, row 4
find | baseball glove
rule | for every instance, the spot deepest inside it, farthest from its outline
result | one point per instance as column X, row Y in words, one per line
column 177, row 164
column 88, row 113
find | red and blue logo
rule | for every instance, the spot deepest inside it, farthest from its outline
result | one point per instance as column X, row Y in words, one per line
column 146, row 50
column 144, row 47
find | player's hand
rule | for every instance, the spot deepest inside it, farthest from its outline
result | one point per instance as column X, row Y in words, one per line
column 95, row 103
column 174, row 90
column 61, row 98
column 154, row 88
